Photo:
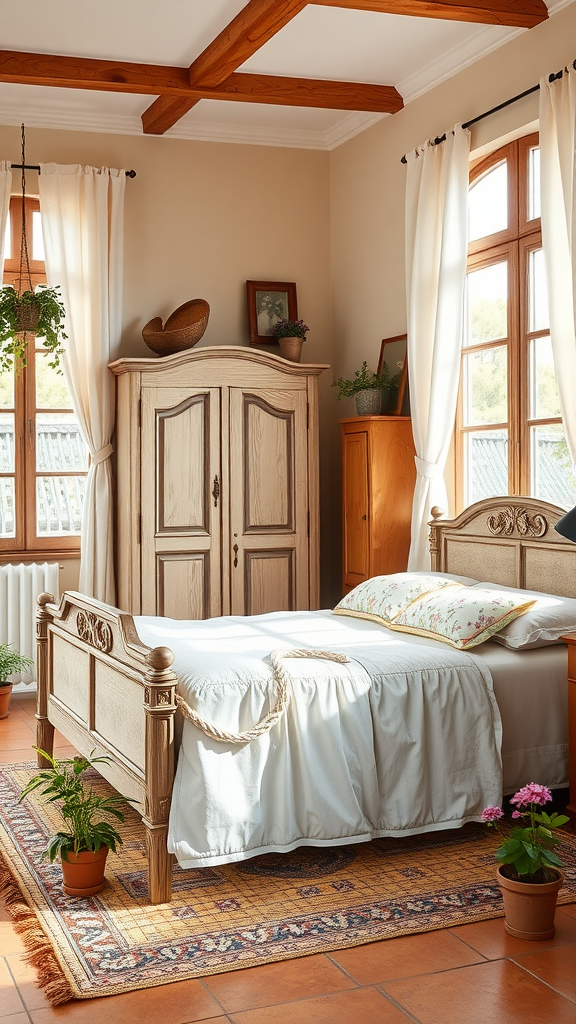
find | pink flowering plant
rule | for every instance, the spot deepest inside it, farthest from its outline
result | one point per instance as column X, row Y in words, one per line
column 529, row 848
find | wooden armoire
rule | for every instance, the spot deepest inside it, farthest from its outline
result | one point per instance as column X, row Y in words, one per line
column 379, row 474
column 216, row 483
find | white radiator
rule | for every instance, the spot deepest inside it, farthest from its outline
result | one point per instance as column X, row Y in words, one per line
column 20, row 586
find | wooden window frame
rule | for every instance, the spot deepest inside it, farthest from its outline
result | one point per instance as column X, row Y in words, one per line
column 26, row 545
column 520, row 237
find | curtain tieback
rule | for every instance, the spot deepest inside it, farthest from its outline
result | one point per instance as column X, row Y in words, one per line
column 429, row 470
column 102, row 454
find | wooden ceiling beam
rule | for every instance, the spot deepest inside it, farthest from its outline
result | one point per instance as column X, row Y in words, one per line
column 88, row 73
column 174, row 84
column 255, row 24
column 294, row 92
column 308, row 92
column 513, row 13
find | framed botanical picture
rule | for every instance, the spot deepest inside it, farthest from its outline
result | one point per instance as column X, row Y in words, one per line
column 269, row 302
column 393, row 353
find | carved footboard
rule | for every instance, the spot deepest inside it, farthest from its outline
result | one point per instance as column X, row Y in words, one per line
column 107, row 692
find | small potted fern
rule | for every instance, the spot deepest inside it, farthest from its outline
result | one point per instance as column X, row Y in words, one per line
column 367, row 388
column 10, row 663
column 83, row 848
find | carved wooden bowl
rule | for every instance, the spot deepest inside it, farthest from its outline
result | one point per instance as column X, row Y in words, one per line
column 183, row 328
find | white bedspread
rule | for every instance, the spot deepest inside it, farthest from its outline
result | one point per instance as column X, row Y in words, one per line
column 403, row 739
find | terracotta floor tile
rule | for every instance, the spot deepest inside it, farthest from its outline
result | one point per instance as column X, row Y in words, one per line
column 277, row 983
column 497, row 992
column 180, row 1003
column 10, row 1001
column 491, row 939
column 557, row 967
column 567, row 908
column 27, row 983
column 19, row 738
column 15, row 1018
column 362, row 1005
column 14, row 756
column 404, row 957
column 10, row 941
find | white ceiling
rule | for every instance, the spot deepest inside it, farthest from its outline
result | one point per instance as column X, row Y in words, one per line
column 413, row 54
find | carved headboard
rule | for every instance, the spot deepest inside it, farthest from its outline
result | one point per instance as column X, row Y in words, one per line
column 510, row 541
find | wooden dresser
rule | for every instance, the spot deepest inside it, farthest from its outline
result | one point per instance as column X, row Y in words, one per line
column 378, row 485
column 216, row 483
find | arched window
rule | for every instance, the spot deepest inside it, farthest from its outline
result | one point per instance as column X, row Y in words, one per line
column 509, row 433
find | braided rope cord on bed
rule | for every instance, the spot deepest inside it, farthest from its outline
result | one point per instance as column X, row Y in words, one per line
column 282, row 680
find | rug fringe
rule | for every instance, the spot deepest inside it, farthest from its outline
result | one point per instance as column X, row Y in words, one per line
column 40, row 954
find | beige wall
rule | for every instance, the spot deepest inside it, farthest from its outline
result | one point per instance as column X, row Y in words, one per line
column 368, row 182
column 201, row 220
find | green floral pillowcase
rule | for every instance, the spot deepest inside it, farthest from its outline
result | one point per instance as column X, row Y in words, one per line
column 434, row 606
column 382, row 598
column 462, row 617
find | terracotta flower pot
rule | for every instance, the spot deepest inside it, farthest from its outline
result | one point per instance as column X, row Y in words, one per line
column 5, row 692
column 529, row 907
column 83, row 873
column 291, row 348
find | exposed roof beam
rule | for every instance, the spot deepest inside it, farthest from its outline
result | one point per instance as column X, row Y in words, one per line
column 309, row 92
column 515, row 13
column 152, row 79
column 256, row 23
column 88, row 73
column 294, row 92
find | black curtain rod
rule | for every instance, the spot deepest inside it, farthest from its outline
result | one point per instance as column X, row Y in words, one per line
column 35, row 167
column 527, row 92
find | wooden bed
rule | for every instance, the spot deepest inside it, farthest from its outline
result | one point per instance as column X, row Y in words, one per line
column 107, row 692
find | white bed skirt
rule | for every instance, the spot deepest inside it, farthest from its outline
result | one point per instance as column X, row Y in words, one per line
column 403, row 739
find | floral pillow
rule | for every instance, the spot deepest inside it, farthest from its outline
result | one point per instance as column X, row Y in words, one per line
column 462, row 616
column 382, row 598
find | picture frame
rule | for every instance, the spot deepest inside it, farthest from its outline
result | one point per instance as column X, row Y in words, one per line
column 393, row 352
column 268, row 302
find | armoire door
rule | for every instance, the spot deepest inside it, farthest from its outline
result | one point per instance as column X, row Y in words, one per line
column 356, row 508
column 181, row 502
column 268, row 501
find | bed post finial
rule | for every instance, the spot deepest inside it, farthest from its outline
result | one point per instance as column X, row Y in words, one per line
column 44, row 728
column 437, row 514
column 160, row 708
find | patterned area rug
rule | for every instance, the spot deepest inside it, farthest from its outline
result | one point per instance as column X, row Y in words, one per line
column 270, row 908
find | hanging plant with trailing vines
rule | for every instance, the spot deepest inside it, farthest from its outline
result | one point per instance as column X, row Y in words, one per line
column 26, row 313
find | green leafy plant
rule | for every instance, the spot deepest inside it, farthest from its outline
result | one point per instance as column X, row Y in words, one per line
column 40, row 313
column 82, row 807
column 529, row 850
column 290, row 329
column 11, row 661
column 364, row 379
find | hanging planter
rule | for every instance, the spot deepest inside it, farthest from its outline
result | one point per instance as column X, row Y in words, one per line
column 26, row 313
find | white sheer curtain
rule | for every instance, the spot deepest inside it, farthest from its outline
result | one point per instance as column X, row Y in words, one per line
column 436, row 250
column 5, row 190
column 83, row 225
column 558, row 192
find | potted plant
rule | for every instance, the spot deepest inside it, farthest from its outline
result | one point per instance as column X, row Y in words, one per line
column 291, row 334
column 25, row 315
column 10, row 662
column 367, row 388
column 529, row 874
column 83, row 848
